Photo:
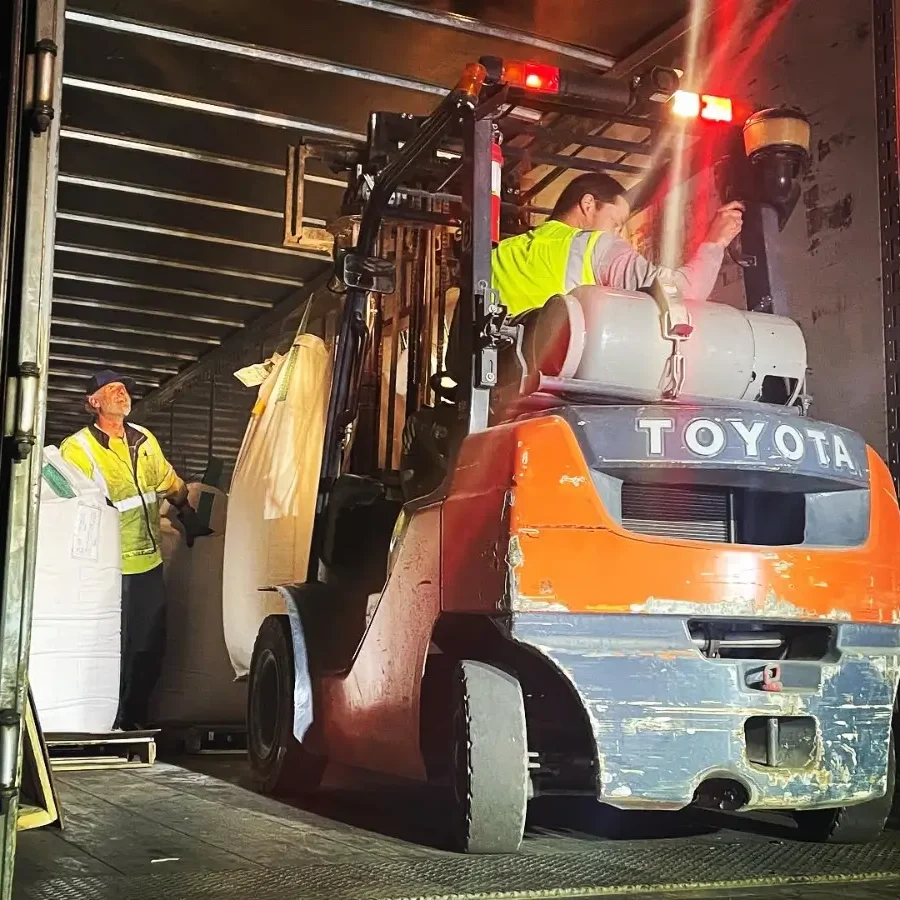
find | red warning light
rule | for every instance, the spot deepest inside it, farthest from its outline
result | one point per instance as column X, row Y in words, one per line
column 532, row 77
column 689, row 105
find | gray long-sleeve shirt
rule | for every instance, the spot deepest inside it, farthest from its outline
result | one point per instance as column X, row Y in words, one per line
column 617, row 264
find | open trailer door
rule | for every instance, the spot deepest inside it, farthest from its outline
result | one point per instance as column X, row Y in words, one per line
column 31, row 34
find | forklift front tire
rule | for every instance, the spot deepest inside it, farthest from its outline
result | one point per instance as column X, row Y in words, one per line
column 279, row 764
column 860, row 824
column 490, row 760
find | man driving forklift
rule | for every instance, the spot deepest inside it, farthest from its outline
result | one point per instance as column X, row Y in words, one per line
column 580, row 244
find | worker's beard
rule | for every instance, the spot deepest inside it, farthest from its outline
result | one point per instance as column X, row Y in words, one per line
column 116, row 408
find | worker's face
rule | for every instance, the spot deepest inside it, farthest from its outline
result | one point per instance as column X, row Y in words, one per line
column 111, row 400
column 608, row 216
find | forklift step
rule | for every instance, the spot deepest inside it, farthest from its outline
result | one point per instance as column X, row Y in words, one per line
column 112, row 750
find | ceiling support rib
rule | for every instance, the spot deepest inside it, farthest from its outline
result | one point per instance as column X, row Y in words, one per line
column 88, row 303
column 256, row 52
column 61, row 340
column 212, row 107
column 475, row 26
column 162, row 262
column 92, row 361
column 129, row 225
column 134, row 329
column 172, row 150
column 140, row 190
column 62, row 275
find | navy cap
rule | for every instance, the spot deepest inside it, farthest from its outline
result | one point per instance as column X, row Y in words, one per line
column 108, row 376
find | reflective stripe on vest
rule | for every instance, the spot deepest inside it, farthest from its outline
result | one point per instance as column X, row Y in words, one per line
column 528, row 269
column 97, row 475
column 96, row 471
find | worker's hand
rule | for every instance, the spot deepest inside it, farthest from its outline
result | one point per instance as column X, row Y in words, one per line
column 727, row 224
column 192, row 524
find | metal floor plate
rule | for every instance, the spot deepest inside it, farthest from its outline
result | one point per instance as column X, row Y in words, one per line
column 615, row 869
column 168, row 833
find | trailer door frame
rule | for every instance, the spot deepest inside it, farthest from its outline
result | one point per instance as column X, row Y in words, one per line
column 27, row 220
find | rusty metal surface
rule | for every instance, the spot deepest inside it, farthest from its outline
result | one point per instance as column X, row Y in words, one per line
column 665, row 717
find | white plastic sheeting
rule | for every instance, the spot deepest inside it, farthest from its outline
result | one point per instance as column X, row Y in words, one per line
column 75, row 644
column 273, row 494
column 197, row 685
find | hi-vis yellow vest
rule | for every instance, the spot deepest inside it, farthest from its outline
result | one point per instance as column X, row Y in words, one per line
column 554, row 258
column 131, row 473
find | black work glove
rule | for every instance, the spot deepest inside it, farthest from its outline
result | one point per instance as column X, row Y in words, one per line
column 192, row 524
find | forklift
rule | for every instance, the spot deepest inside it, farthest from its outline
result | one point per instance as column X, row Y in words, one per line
column 600, row 549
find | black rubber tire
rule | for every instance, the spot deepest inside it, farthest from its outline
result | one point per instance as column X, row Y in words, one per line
column 489, row 766
column 279, row 765
column 860, row 824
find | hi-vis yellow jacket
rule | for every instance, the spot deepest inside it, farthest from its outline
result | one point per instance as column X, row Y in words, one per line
column 554, row 258
column 132, row 472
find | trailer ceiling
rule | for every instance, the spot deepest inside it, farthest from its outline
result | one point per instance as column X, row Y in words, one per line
column 176, row 117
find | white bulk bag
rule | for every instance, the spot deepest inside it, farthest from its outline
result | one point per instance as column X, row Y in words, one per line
column 197, row 685
column 271, row 504
column 75, row 644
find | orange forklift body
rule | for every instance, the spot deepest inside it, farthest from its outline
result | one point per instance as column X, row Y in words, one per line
column 524, row 540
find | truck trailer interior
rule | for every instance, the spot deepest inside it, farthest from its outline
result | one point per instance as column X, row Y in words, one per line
column 182, row 182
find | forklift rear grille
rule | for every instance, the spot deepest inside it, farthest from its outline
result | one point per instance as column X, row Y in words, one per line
column 688, row 513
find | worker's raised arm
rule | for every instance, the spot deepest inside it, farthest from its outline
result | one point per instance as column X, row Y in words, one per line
column 616, row 264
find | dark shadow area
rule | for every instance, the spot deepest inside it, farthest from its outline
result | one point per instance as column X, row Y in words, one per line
column 419, row 814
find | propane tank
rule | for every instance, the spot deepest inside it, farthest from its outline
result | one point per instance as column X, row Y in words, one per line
column 616, row 340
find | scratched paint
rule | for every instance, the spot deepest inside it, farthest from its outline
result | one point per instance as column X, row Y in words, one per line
column 520, row 602
column 769, row 606
column 665, row 721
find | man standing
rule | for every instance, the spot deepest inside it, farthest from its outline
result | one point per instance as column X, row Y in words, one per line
column 128, row 465
column 580, row 244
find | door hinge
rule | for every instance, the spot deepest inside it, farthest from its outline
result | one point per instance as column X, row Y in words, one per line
column 9, row 756
column 22, row 396
column 40, row 85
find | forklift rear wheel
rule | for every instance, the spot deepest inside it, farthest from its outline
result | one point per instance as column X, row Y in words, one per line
column 278, row 762
column 858, row 824
column 490, row 760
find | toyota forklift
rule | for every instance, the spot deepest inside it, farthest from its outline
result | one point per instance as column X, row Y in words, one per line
column 600, row 549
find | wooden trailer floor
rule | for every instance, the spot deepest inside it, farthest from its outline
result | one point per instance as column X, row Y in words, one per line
column 169, row 833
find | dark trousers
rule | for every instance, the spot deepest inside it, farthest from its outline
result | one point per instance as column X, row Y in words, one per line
column 143, row 644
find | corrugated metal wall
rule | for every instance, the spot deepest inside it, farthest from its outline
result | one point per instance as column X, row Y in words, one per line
column 208, row 419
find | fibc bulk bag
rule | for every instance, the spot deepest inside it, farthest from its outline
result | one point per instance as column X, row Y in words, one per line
column 271, row 504
column 75, row 645
column 197, row 685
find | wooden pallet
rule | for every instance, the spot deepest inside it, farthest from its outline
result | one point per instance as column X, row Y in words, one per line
column 113, row 750
column 38, row 802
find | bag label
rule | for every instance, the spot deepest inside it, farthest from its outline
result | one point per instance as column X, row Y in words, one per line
column 86, row 540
